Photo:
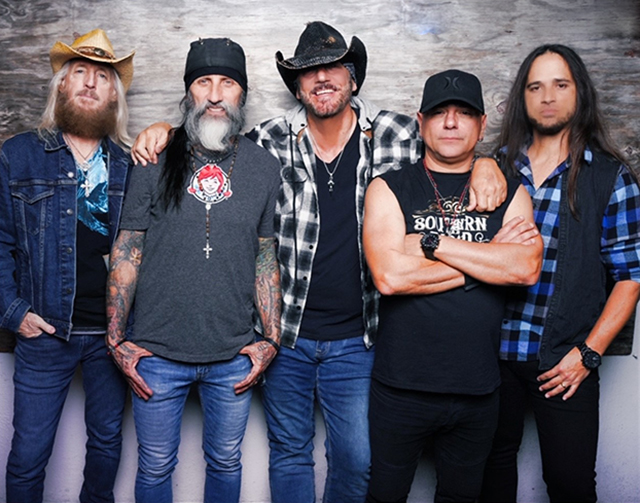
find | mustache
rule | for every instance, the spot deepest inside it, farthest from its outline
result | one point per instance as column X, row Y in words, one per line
column 201, row 109
column 323, row 87
column 89, row 93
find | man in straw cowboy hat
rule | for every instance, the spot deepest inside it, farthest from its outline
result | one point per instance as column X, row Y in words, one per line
column 329, row 146
column 61, row 190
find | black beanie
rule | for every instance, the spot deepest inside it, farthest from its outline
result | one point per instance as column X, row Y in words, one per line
column 215, row 56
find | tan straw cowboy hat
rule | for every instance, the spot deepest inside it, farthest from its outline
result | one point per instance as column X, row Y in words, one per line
column 94, row 46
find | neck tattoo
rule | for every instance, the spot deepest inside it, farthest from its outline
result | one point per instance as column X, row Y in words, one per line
column 457, row 209
column 213, row 164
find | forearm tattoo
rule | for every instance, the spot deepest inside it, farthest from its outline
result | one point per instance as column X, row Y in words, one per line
column 126, row 257
column 268, row 297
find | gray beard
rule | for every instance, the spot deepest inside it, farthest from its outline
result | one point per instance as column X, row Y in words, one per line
column 212, row 133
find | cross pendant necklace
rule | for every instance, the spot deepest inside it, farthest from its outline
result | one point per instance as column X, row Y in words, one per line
column 86, row 185
column 330, row 183
column 207, row 230
column 83, row 164
column 207, row 249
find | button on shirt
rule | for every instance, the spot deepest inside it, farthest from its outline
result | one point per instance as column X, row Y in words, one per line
column 523, row 325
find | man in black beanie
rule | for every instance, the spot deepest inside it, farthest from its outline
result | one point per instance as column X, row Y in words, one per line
column 196, row 248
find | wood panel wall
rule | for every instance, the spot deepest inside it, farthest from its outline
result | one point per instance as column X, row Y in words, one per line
column 406, row 42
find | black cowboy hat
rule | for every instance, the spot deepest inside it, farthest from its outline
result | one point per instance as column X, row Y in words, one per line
column 321, row 44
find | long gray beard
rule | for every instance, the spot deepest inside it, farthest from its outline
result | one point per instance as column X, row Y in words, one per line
column 213, row 133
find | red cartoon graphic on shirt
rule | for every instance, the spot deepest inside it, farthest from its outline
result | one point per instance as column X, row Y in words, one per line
column 210, row 185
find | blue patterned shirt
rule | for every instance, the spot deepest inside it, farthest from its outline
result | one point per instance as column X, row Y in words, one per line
column 526, row 312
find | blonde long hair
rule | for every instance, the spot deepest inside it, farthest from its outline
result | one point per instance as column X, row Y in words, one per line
column 48, row 121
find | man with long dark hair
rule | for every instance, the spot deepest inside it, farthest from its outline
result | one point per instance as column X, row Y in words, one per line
column 197, row 251
column 587, row 206
column 61, row 190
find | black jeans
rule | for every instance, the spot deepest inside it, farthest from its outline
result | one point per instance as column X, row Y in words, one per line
column 567, row 431
column 400, row 422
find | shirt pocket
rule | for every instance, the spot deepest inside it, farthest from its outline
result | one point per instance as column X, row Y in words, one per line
column 33, row 206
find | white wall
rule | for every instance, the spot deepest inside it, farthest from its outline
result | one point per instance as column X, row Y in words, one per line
column 618, row 459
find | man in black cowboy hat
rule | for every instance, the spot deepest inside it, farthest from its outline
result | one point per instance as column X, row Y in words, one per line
column 61, row 190
column 329, row 146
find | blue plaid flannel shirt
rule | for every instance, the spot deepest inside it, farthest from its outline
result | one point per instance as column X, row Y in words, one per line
column 620, row 251
column 387, row 139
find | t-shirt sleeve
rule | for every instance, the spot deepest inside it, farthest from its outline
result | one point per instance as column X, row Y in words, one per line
column 136, row 212
column 266, row 228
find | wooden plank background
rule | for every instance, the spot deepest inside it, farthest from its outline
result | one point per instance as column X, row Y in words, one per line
column 406, row 42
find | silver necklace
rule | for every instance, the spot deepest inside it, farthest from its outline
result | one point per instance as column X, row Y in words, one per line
column 84, row 164
column 330, row 182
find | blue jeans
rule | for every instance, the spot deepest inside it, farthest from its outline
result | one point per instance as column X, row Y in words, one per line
column 158, row 423
column 44, row 368
column 338, row 373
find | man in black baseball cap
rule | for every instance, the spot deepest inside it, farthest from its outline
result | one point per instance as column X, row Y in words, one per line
column 452, row 85
column 437, row 264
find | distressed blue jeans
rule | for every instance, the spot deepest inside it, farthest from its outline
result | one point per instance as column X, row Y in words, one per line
column 338, row 374
column 44, row 369
column 158, row 422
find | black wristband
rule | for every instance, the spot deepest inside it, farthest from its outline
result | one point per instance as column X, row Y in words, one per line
column 273, row 343
column 112, row 348
column 119, row 343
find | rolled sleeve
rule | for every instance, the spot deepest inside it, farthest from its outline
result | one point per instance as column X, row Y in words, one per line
column 621, row 229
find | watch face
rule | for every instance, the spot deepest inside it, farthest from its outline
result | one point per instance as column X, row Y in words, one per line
column 590, row 359
column 430, row 241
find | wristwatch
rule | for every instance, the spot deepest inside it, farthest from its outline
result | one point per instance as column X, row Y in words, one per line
column 590, row 358
column 429, row 243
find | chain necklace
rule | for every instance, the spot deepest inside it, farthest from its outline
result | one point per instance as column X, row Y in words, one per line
column 330, row 183
column 448, row 227
column 84, row 165
column 211, row 164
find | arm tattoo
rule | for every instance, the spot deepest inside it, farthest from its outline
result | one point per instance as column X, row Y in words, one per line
column 267, row 296
column 126, row 257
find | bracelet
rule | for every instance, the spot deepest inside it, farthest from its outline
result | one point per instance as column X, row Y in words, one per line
column 116, row 345
column 273, row 343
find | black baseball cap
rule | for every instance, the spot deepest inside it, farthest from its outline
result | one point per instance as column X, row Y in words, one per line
column 452, row 85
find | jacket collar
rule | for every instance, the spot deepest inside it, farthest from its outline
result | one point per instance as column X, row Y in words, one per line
column 55, row 141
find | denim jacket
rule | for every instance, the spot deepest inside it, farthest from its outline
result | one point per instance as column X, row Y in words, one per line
column 38, row 218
